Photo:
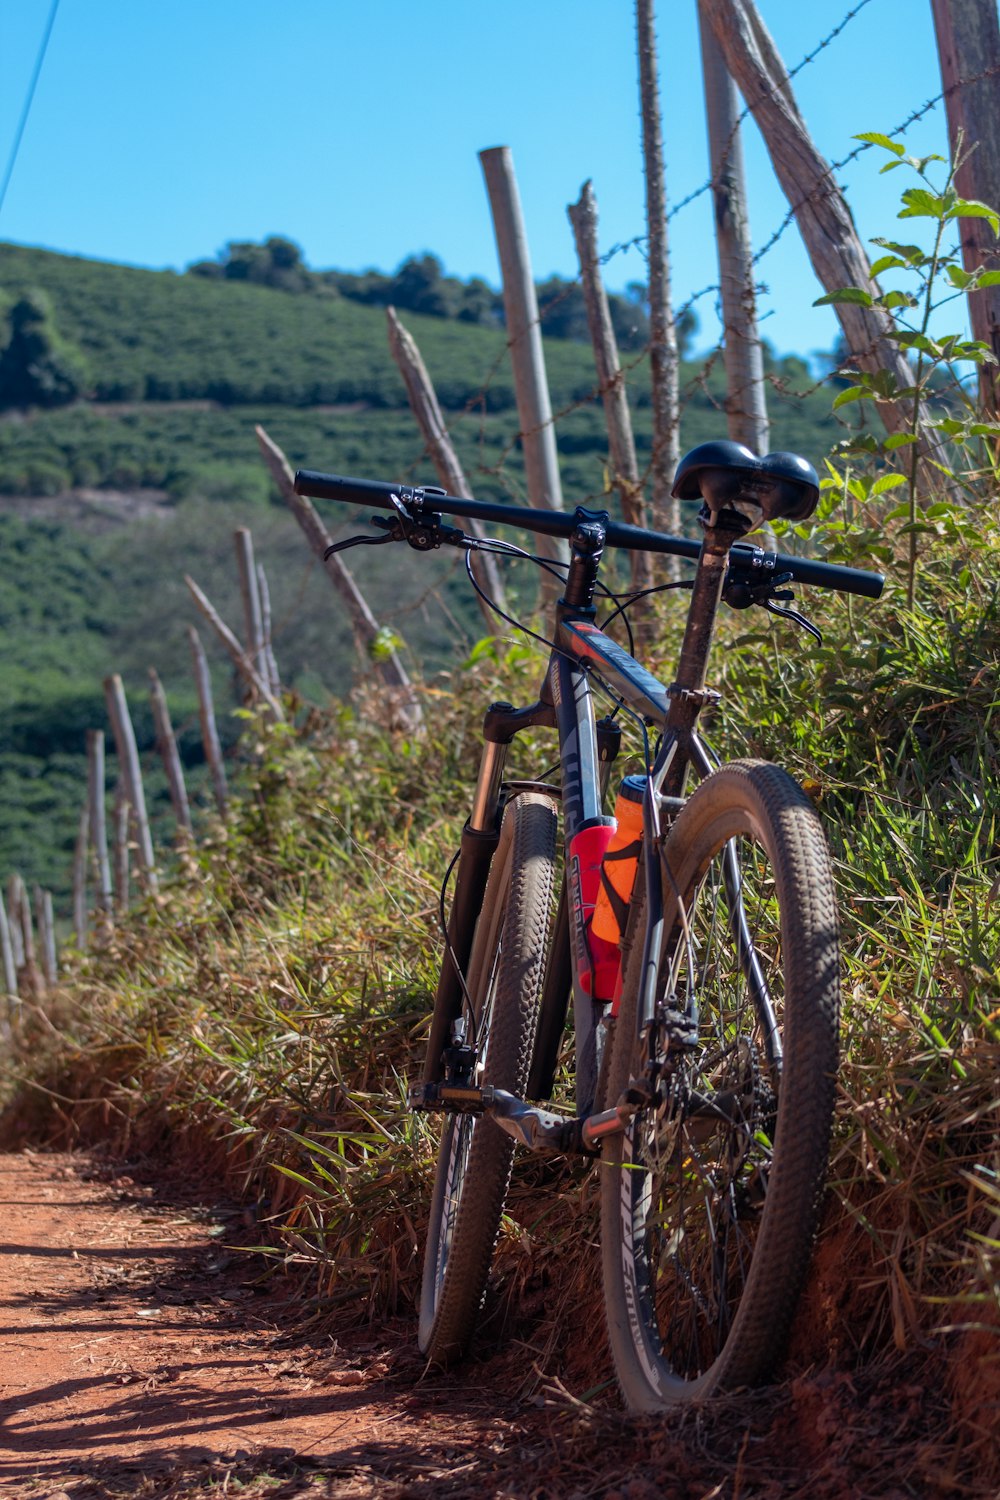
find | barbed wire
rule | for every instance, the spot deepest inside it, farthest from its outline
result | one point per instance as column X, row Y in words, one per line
column 479, row 402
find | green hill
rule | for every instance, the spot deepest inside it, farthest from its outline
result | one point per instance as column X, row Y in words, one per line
column 171, row 373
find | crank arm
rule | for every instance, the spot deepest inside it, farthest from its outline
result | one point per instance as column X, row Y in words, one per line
column 538, row 1129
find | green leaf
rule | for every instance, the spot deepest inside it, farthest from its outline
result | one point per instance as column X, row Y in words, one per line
column 971, row 208
column 888, row 263
column 958, row 277
column 897, row 299
column 921, row 204
column 988, row 278
column 887, row 482
column 853, row 393
column 898, row 440
column 912, row 254
column 876, row 138
column 846, row 294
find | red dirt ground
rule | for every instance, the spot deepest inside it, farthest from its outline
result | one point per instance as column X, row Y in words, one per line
column 145, row 1357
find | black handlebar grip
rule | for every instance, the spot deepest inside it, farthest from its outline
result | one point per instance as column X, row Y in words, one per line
column 349, row 491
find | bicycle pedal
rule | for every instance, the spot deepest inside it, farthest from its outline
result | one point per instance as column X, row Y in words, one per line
column 448, row 1098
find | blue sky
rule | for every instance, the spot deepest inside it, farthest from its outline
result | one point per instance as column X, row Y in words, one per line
column 163, row 128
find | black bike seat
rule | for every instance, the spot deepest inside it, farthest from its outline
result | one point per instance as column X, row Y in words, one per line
column 783, row 485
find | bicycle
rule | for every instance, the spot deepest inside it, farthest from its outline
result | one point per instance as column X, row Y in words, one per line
column 706, row 1024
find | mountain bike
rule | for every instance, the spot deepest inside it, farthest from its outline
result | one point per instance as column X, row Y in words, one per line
column 692, row 938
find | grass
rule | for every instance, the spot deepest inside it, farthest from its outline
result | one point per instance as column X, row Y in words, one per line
column 267, row 1014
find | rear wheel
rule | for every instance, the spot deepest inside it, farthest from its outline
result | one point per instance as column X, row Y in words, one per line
column 710, row 1198
column 506, row 969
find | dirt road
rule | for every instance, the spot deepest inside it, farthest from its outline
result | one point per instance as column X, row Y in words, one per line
column 140, row 1358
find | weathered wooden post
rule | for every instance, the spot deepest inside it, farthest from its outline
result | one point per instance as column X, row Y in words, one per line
column 20, row 910
column 621, row 444
column 363, row 623
column 824, row 219
column 424, row 405
column 664, row 361
column 968, row 42
column 270, row 665
column 128, row 760
column 45, row 926
column 123, row 816
column 99, row 830
column 7, row 953
column 241, row 659
column 250, row 592
column 746, row 401
column 524, row 338
column 14, row 888
column 80, row 879
column 206, row 715
column 166, row 743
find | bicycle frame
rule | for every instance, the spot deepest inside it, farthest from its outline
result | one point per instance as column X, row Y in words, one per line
column 586, row 751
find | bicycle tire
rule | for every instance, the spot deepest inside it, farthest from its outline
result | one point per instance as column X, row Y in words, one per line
column 710, row 1199
column 506, row 969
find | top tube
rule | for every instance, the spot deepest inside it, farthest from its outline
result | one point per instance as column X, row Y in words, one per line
column 375, row 493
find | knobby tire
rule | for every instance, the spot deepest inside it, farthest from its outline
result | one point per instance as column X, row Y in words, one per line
column 710, row 1199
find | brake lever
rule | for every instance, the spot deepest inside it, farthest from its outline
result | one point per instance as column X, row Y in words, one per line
column 357, row 541
column 791, row 614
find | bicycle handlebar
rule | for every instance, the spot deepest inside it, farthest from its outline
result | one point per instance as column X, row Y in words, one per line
column 376, row 494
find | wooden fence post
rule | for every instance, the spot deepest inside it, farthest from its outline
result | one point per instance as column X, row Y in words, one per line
column 166, row 743
column 206, row 714
column 7, row 952
column 103, row 900
column 968, row 43
column 45, row 926
column 128, row 760
column 824, row 219
column 34, row 982
column 621, row 444
column 120, row 831
column 524, row 339
column 663, row 356
column 14, row 886
column 424, row 405
column 250, row 592
column 271, row 666
column 746, row 400
column 363, row 622
column 241, row 659
column 80, row 878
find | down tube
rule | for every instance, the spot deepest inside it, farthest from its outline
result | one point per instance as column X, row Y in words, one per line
column 581, row 797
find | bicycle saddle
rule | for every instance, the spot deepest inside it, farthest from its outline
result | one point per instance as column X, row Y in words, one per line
column 727, row 476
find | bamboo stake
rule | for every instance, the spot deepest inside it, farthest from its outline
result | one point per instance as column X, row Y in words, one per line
column 524, row 339
column 240, row 658
column 663, row 356
column 206, row 714
column 80, row 879
column 120, row 841
column 271, row 666
column 624, row 465
column 128, row 759
column 250, row 592
column 46, row 935
column 424, row 405
column 7, row 952
column 746, row 403
column 363, row 622
column 166, row 743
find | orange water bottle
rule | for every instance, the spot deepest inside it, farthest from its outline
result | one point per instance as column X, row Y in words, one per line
column 620, row 862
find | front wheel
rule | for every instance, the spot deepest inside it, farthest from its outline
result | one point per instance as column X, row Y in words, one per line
column 506, row 969
column 710, row 1198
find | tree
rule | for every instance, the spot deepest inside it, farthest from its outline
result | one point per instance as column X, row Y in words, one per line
column 37, row 366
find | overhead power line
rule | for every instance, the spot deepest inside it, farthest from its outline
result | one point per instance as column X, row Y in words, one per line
column 29, row 99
